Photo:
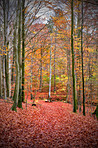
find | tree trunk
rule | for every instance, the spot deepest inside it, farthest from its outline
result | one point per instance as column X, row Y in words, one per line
column 4, row 56
column 78, row 61
column 0, row 75
column 41, row 53
column 90, row 81
column 12, row 73
column 82, row 60
column 16, row 90
column 31, row 87
column 69, row 75
column 7, row 72
column 19, row 54
column 6, row 43
column 50, row 72
column 23, row 49
column 73, row 74
column 54, row 64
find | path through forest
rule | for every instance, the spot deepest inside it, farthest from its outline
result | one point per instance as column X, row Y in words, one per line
column 47, row 125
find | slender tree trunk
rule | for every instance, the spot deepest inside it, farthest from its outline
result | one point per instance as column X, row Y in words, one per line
column 7, row 56
column 6, row 43
column 0, row 75
column 16, row 91
column 50, row 72
column 10, row 69
column 69, row 75
column 4, row 56
column 19, row 55
column 73, row 74
column 23, row 49
column 54, row 65
column 14, row 58
column 7, row 72
column 82, row 60
column 41, row 53
column 78, row 61
column 4, row 81
column 31, row 76
column 90, row 81
column 12, row 73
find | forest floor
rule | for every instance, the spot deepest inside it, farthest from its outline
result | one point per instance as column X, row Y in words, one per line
column 46, row 125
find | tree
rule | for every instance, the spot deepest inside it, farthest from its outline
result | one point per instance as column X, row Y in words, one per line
column 77, row 46
column 4, row 45
column 41, row 53
column 55, row 63
column 23, row 49
column 72, row 50
column 50, row 27
column 50, row 71
column 16, row 90
column 19, row 55
column 17, row 48
column 0, row 76
column 82, row 59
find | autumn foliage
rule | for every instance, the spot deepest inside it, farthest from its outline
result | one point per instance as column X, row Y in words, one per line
column 48, row 70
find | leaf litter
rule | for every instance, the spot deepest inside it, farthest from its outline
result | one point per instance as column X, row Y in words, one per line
column 48, row 125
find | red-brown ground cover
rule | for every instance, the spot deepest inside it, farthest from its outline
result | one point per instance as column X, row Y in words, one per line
column 48, row 125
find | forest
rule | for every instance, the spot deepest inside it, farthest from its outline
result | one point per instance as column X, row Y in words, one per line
column 48, row 73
